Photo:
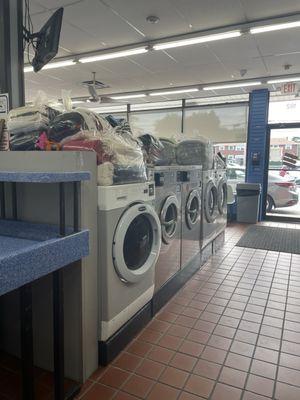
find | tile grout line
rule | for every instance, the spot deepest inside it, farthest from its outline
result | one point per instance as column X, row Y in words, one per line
column 222, row 314
column 240, row 319
column 258, row 333
column 282, row 332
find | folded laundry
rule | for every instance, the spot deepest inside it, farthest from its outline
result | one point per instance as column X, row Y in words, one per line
column 106, row 174
column 24, row 141
column 168, row 154
column 89, row 145
column 4, row 136
column 152, row 148
column 26, row 124
column 133, row 174
column 66, row 124
column 195, row 152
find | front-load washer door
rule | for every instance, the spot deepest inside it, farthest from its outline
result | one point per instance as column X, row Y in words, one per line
column 222, row 197
column 169, row 218
column 136, row 243
column 193, row 208
column 211, row 202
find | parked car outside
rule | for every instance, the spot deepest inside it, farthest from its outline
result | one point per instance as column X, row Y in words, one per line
column 282, row 191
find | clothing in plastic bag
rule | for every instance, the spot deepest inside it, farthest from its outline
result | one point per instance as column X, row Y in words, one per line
column 4, row 136
column 89, row 145
column 66, row 124
column 168, row 154
column 152, row 148
column 26, row 124
column 195, row 152
column 106, row 174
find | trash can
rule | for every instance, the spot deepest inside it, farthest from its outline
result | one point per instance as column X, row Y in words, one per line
column 248, row 199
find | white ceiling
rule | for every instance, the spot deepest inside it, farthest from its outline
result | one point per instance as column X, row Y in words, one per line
column 91, row 25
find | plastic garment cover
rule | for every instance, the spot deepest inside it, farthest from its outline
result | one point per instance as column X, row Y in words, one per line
column 113, row 121
column 220, row 161
column 106, row 174
column 152, row 148
column 4, row 136
column 168, row 154
column 94, row 145
column 195, row 152
column 65, row 125
column 114, row 145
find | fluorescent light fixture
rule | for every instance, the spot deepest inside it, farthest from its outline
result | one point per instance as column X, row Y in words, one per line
column 173, row 92
column 57, row 64
column 117, row 54
column 232, row 85
column 275, row 27
column 78, row 101
column 129, row 96
column 283, row 80
column 196, row 40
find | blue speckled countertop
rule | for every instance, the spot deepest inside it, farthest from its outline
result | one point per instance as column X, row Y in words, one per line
column 44, row 177
column 30, row 251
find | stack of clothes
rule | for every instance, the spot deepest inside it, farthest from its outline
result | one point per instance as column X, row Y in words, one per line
column 4, row 136
column 26, row 124
column 119, row 155
column 195, row 152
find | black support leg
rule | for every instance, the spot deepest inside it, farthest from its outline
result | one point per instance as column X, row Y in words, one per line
column 58, row 335
column 27, row 342
column 2, row 199
column 76, row 206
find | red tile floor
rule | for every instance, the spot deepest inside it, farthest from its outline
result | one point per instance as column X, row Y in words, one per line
column 232, row 332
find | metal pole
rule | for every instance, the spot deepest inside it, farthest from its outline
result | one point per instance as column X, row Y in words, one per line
column 11, row 51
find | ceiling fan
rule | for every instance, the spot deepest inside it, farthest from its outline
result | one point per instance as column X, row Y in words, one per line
column 93, row 86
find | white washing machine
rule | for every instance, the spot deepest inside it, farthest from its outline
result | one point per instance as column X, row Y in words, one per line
column 209, row 208
column 191, row 178
column 129, row 237
column 221, row 185
column 168, row 208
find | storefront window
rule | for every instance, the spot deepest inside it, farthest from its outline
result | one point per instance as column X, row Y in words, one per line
column 158, row 123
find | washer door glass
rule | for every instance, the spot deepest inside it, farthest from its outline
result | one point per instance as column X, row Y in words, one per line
column 169, row 218
column 136, row 242
column 193, row 208
column 211, row 202
column 222, row 197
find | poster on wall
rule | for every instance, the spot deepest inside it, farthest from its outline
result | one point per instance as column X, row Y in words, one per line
column 4, row 107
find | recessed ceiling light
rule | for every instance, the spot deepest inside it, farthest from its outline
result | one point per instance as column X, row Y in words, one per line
column 129, row 96
column 110, row 56
column 232, row 85
column 174, row 92
column 196, row 40
column 275, row 27
column 283, row 80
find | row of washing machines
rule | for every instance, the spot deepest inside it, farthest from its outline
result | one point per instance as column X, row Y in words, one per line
column 149, row 233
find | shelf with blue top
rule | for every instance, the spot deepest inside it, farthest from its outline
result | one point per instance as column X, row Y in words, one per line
column 29, row 251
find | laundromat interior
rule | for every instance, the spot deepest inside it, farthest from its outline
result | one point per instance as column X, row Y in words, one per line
column 149, row 200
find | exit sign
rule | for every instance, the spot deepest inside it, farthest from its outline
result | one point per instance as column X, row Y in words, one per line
column 289, row 88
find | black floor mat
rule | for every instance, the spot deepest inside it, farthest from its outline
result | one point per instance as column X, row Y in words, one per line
column 271, row 238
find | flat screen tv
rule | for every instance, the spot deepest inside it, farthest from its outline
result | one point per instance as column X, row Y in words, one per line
column 47, row 40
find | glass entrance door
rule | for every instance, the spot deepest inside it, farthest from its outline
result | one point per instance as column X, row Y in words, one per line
column 284, row 173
